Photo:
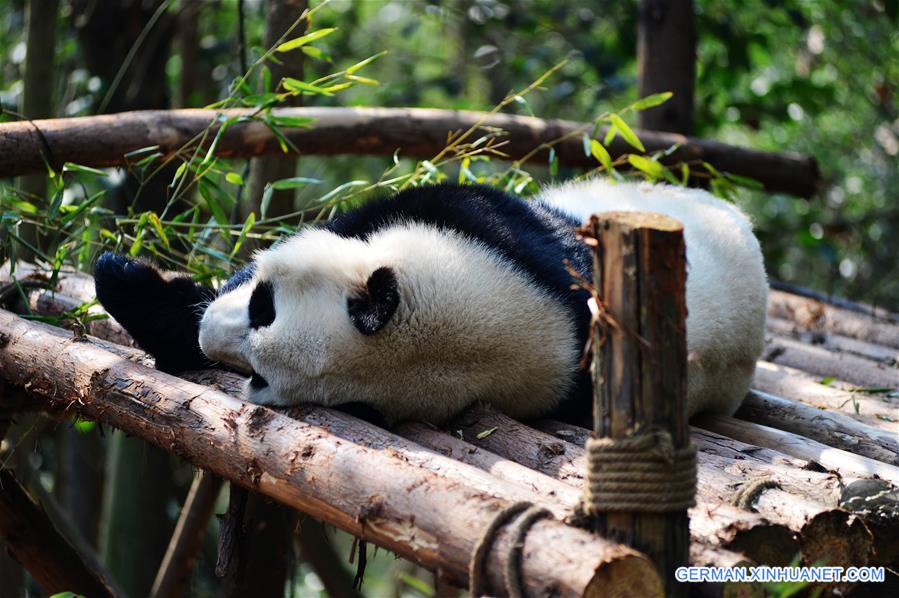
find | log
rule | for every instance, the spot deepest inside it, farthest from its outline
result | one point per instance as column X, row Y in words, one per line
column 639, row 374
column 817, row 360
column 554, row 492
column 880, row 327
column 827, row 428
column 807, row 502
column 187, row 539
column 836, row 343
column 104, row 140
column 845, row 463
column 373, row 484
column 728, row 527
column 36, row 543
column 666, row 61
column 839, row 302
column 869, row 409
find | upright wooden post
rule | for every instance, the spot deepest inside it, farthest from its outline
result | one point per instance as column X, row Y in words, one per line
column 643, row 467
column 666, row 61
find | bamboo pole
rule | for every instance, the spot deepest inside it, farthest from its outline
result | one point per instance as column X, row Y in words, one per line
column 416, row 132
column 40, row 548
column 639, row 366
column 373, row 484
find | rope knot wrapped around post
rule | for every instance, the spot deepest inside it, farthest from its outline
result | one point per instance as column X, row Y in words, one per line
column 642, row 473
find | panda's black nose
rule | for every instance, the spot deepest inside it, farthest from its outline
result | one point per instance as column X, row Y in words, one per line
column 257, row 382
column 262, row 305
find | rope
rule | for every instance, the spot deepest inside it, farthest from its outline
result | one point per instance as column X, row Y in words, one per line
column 512, row 573
column 643, row 473
column 749, row 493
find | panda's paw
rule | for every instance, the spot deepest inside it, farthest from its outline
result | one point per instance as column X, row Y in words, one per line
column 161, row 313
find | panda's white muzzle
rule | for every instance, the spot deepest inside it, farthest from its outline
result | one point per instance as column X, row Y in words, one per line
column 224, row 329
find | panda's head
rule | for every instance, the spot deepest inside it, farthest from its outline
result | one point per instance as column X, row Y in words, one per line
column 413, row 321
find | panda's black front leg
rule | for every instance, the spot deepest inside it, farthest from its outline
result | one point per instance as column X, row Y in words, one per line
column 161, row 312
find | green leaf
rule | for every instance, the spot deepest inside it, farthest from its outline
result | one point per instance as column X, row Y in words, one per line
column 626, row 132
column 601, row 154
column 651, row 101
column 645, row 165
column 485, row 433
column 72, row 167
column 317, row 53
column 297, row 86
column 419, row 585
column 234, row 178
column 294, row 182
column 265, row 201
column 363, row 63
column 610, row 135
column 585, row 140
column 209, row 193
column 292, row 121
column 160, row 232
column 251, row 220
column 745, row 182
column 305, row 39
column 827, row 380
column 363, row 80
column 553, row 162
column 337, row 87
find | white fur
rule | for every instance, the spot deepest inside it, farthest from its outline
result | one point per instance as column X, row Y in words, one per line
column 726, row 284
column 469, row 326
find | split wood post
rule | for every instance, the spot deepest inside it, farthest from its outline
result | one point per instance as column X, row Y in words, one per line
column 641, row 463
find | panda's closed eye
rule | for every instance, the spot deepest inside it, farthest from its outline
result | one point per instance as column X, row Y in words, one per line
column 262, row 305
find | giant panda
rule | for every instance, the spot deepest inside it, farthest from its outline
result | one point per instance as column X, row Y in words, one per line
column 419, row 304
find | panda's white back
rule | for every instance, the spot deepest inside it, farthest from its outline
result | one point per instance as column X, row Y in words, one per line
column 726, row 282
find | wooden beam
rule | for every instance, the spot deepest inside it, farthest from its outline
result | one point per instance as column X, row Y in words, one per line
column 639, row 381
column 341, row 470
column 104, row 140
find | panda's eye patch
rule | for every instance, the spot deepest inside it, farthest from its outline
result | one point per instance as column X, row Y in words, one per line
column 262, row 305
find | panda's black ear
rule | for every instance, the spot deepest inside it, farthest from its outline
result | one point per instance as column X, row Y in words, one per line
column 161, row 313
column 372, row 309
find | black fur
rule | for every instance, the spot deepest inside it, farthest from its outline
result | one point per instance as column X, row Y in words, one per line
column 262, row 305
column 163, row 317
column 372, row 309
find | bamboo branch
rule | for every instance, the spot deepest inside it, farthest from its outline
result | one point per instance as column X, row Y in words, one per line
column 40, row 548
column 416, row 132
column 373, row 484
column 187, row 538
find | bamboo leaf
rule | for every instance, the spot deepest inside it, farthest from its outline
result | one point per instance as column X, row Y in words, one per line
column 364, row 63
column 601, row 154
column 297, row 86
column 160, row 231
column 651, row 101
column 363, row 80
column 626, row 132
column 305, row 39
column 294, row 182
column 72, row 167
column 647, row 166
column 251, row 220
column 234, row 178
